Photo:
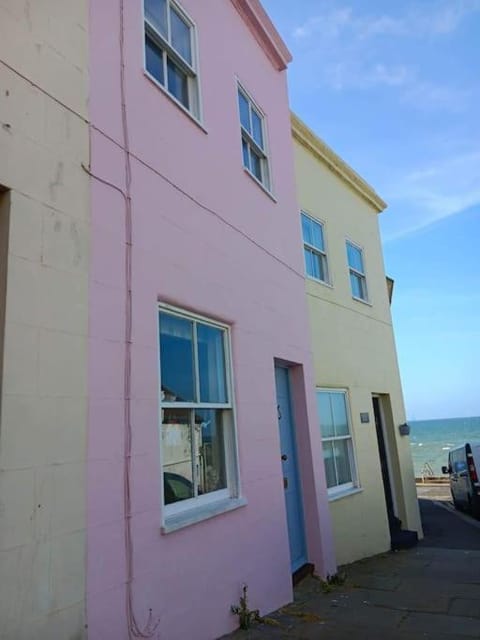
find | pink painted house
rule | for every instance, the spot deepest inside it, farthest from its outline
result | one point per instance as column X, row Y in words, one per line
column 204, row 455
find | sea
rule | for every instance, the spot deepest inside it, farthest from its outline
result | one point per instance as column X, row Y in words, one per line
column 431, row 440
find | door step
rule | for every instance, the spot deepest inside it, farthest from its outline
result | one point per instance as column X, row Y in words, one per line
column 304, row 571
column 403, row 539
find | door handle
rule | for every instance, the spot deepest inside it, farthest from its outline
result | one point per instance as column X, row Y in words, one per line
column 284, row 456
column 279, row 413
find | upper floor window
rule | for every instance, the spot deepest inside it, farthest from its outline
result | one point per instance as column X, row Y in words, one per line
column 170, row 52
column 358, row 280
column 337, row 440
column 316, row 265
column 254, row 147
column 198, row 432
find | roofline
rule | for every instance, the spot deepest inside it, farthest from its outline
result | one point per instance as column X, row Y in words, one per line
column 264, row 32
column 308, row 139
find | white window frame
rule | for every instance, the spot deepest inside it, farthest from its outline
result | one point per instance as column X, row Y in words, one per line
column 321, row 253
column 359, row 274
column 253, row 146
column 353, row 485
column 209, row 504
column 190, row 70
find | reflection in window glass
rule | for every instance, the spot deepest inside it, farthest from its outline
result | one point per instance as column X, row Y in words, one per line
column 170, row 52
column 181, row 40
column 154, row 60
column 255, row 165
column 257, row 133
column 211, row 448
column 354, row 257
column 194, row 371
column 337, row 439
column 211, row 364
column 253, row 142
column 342, row 462
column 325, row 415
column 177, row 83
column 244, row 111
column 177, row 455
column 246, row 155
column 317, row 235
column 176, row 359
column 329, row 464
column 314, row 249
column 156, row 14
column 339, row 413
column 358, row 281
column 307, row 229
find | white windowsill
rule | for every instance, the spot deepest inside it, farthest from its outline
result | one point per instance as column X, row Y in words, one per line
column 367, row 302
column 200, row 513
column 262, row 186
column 175, row 101
column 344, row 494
column 317, row 281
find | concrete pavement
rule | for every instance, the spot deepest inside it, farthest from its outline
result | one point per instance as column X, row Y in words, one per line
column 429, row 592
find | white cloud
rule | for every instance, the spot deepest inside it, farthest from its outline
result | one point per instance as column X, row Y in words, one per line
column 435, row 192
column 342, row 75
column 427, row 96
column 351, row 50
column 432, row 18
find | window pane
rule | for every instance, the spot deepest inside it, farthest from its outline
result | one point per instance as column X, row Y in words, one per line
column 177, row 82
column 211, row 364
column 177, row 455
column 314, row 264
column 257, row 133
column 355, row 260
column 317, row 233
column 307, row 229
column 156, row 14
column 154, row 60
column 358, row 288
column 211, row 467
column 244, row 108
column 246, row 155
column 255, row 165
column 325, row 414
column 342, row 461
column 180, row 36
column 329, row 464
column 176, row 359
column 339, row 409
column 308, row 262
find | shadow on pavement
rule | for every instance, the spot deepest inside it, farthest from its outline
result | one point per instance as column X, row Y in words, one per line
column 446, row 530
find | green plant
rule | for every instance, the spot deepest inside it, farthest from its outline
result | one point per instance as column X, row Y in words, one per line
column 332, row 581
column 245, row 615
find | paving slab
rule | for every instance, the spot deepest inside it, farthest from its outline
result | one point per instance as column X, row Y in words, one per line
column 465, row 607
column 426, row 593
column 456, row 626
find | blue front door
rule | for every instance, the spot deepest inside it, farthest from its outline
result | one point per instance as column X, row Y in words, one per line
column 291, row 484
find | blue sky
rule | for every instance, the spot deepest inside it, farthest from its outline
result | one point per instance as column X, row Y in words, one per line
column 394, row 88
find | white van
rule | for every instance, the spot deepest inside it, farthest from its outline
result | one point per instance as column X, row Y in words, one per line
column 463, row 469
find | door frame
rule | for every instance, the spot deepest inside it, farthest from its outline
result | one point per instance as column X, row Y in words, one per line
column 299, row 492
column 386, row 444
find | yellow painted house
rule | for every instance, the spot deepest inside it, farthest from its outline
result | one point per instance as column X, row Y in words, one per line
column 367, row 458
